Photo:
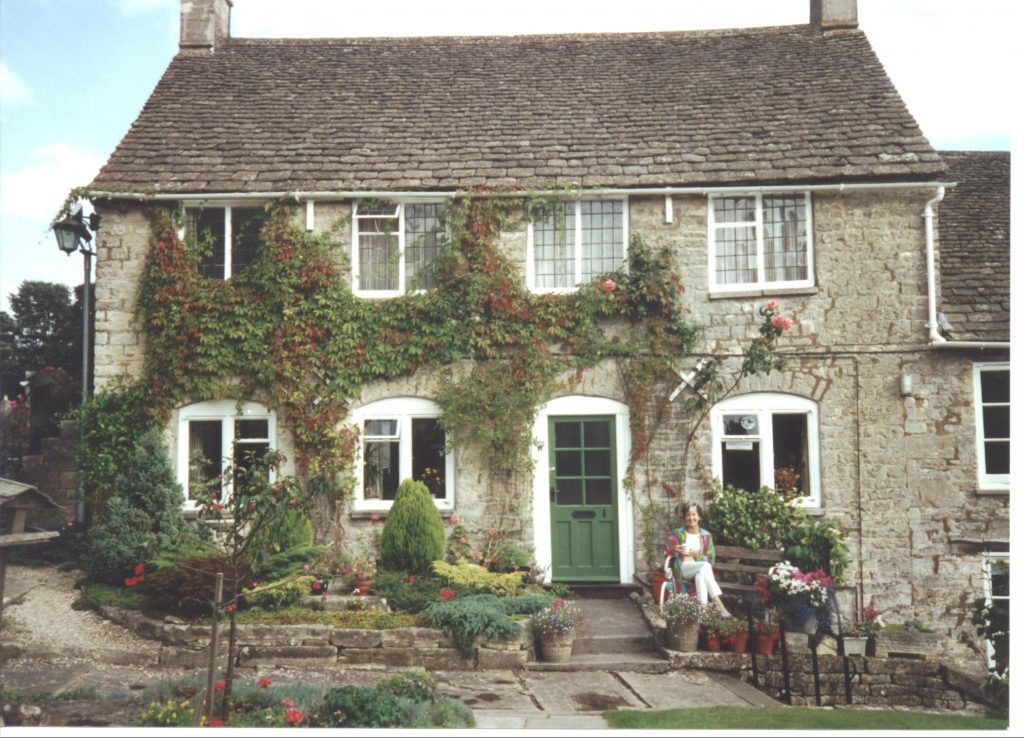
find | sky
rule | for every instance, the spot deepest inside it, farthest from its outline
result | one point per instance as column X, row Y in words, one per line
column 74, row 75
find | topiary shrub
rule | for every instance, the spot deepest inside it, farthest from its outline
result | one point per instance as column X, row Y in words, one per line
column 413, row 535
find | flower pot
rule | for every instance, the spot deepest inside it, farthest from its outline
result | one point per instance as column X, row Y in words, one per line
column 714, row 643
column 855, row 645
column 362, row 585
column 738, row 643
column 657, row 579
column 682, row 636
column 555, row 648
column 764, row 643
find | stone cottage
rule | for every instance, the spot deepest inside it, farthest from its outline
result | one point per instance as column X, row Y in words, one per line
column 773, row 164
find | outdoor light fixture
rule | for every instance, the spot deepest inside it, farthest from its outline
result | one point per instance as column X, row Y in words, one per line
column 74, row 234
column 906, row 384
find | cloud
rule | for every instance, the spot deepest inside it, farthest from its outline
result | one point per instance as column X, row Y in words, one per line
column 13, row 92
column 37, row 190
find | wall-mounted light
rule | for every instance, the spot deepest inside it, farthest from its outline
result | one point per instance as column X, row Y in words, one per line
column 906, row 384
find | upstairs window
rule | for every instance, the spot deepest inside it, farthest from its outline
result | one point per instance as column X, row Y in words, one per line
column 766, row 439
column 402, row 438
column 575, row 243
column 992, row 421
column 216, row 435
column 760, row 241
column 393, row 243
column 213, row 228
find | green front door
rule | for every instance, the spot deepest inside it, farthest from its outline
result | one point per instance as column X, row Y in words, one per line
column 583, row 490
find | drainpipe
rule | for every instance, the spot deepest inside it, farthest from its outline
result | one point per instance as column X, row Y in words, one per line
column 934, row 337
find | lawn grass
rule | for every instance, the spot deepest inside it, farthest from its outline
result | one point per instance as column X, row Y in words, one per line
column 795, row 718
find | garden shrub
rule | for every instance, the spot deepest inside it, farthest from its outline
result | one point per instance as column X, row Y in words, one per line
column 169, row 713
column 412, row 685
column 187, row 588
column 119, row 542
column 360, row 707
column 279, row 594
column 509, row 557
column 465, row 618
column 289, row 561
column 291, row 530
column 413, row 535
column 475, row 577
column 95, row 595
column 412, row 596
column 447, row 713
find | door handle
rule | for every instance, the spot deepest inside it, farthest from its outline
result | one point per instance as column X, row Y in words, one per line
column 554, row 494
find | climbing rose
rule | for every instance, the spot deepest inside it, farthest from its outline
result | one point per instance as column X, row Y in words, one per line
column 374, row 518
column 608, row 285
column 454, row 520
column 781, row 321
column 772, row 305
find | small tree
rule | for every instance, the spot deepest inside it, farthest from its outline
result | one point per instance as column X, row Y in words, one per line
column 413, row 536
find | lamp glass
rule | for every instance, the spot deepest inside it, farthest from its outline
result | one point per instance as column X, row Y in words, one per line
column 67, row 237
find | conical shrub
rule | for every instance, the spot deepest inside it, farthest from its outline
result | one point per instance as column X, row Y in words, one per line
column 413, row 535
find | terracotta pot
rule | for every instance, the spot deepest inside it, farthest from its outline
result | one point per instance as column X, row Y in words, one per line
column 555, row 648
column 657, row 579
column 764, row 643
column 738, row 642
column 714, row 643
column 363, row 585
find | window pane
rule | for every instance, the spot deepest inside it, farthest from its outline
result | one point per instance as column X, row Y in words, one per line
column 789, row 436
column 996, row 421
column 740, row 425
column 995, row 386
column 380, row 470
column 601, row 223
column 597, row 434
column 422, row 242
column 570, row 492
column 785, row 237
column 997, row 457
column 553, row 248
column 735, row 209
column 741, row 464
column 598, row 463
column 246, row 453
column 568, row 464
column 252, row 429
column 1000, row 578
column 378, row 253
column 245, row 235
column 735, row 255
column 204, row 456
column 428, row 454
column 567, row 435
column 599, row 491
column 206, row 226
column 381, row 427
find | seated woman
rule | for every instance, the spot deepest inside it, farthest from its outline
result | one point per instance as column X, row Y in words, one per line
column 694, row 557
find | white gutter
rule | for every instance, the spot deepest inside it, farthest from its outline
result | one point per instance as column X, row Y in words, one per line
column 935, row 339
column 420, row 194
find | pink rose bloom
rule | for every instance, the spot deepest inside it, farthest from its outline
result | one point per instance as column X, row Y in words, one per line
column 454, row 520
column 374, row 518
column 772, row 305
column 608, row 285
column 781, row 321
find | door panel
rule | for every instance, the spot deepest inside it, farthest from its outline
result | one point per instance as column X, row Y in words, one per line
column 583, row 492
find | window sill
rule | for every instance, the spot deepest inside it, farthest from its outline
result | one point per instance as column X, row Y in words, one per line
column 814, row 512
column 993, row 491
column 446, row 513
column 764, row 292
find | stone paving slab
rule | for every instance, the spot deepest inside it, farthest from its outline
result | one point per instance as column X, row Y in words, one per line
column 544, row 723
column 681, row 689
column 488, row 690
column 567, row 693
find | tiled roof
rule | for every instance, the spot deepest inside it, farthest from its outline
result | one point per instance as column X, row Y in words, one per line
column 974, row 245
column 597, row 110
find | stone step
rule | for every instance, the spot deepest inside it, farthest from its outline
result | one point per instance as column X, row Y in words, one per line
column 603, row 590
column 645, row 663
column 614, row 644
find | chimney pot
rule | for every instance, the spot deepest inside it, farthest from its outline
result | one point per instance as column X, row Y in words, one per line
column 829, row 15
column 205, row 24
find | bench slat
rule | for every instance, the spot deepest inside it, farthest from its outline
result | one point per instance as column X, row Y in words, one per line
column 752, row 554
column 723, row 566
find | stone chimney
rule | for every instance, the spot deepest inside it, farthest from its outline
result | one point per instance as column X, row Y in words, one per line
column 204, row 24
column 831, row 15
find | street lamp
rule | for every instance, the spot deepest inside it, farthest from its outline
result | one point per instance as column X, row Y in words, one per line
column 73, row 234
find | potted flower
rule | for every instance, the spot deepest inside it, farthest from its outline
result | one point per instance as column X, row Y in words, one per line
column 683, row 615
column 766, row 633
column 555, row 628
column 803, row 599
column 857, row 636
column 715, row 627
column 737, row 635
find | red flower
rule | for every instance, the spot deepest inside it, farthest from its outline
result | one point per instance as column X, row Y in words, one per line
column 139, row 568
column 374, row 518
column 447, row 594
column 316, row 586
column 263, row 683
column 412, row 579
column 215, row 723
column 608, row 285
column 294, row 715
column 131, row 581
column 287, row 702
column 232, row 607
column 218, row 686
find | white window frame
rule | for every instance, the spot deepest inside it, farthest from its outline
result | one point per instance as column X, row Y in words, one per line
column 764, row 405
column 228, row 208
column 762, row 282
column 577, row 246
column 404, row 410
column 987, row 560
column 227, row 412
column 986, row 481
column 400, row 206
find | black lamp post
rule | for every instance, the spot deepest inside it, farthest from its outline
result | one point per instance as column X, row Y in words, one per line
column 73, row 234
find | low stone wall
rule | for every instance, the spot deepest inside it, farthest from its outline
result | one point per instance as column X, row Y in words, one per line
column 188, row 646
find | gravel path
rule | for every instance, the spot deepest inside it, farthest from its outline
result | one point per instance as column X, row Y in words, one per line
column 39, row 622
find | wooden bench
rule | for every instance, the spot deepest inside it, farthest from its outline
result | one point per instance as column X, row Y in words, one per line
column 736, row 568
